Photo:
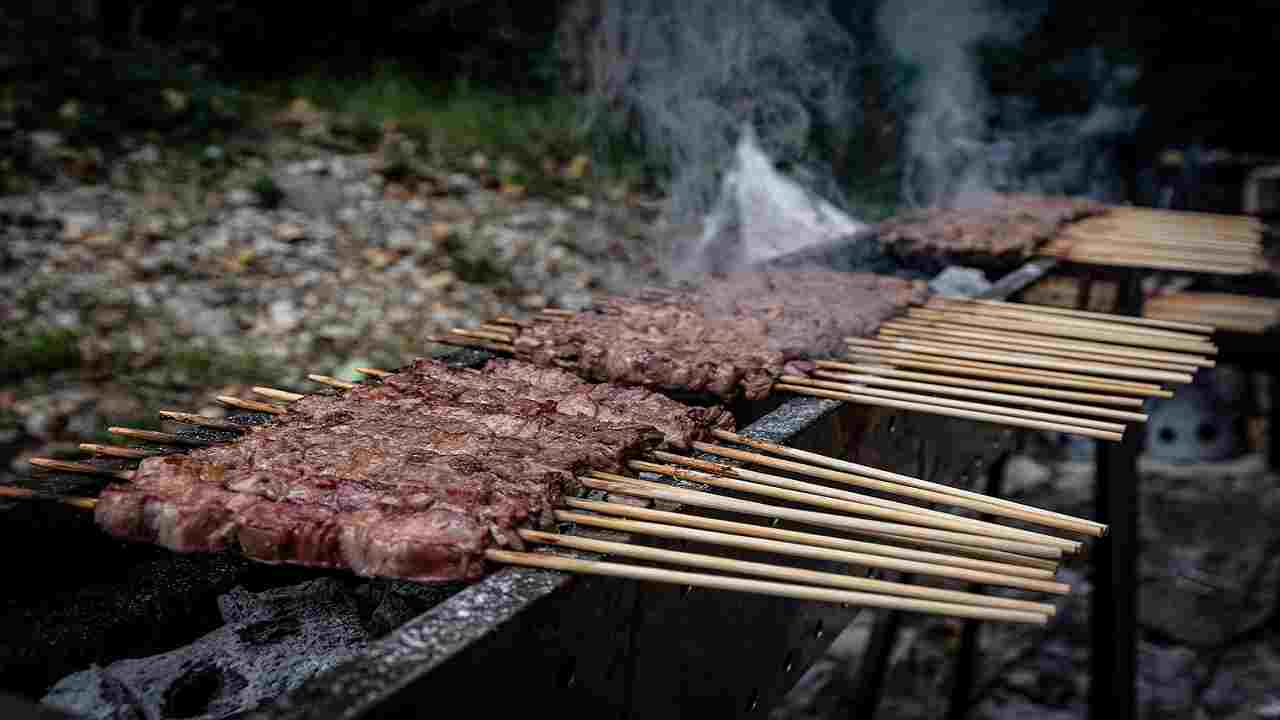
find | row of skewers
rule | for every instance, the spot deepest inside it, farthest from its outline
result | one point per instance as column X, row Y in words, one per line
column 874, row 532
column 1225, row 311
column 1045, row 368
column 1164, row 240
column 1028, row 366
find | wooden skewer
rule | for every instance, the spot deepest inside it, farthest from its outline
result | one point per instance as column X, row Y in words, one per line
column 18, row 493
column 936, row 409
column 1031, row 316
column 277, row 394
column 250, row 405
column 1044, row 341
column 117, row 451
column 472, row 343
column 793, row 537
column 1056, row 330
column 153, row 436
column 781, row 548
column 332, row 382
column 201, row 421
column 1022, row 342
column 851, row 382
column 963, row 404
column 482, row 335
column 507, row 320
column 659, row 491
column 864, row 370
column 1185, row 216
column 1007, row 372
column 813, row 458
column 1023, row 359
column 843, row 521
column 858, row 504
column 80, row 468
column 981, row 503
column 929, row 335
column 505, row 330
column 945, row 338
column 781, row 572
column 1138, row 239
column 1089, row 314
column 761, row 587
column 374, row 372
column 1098, row 257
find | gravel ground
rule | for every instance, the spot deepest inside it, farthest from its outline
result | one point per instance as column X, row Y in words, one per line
column 161, row 287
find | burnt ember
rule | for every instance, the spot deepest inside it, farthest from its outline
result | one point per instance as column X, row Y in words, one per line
column 1009, row 227
column 733, row 334
column 411, row 478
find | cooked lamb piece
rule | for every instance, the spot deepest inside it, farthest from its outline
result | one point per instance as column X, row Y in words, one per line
column 413, row 477
column 734, row 334
column 987, row 227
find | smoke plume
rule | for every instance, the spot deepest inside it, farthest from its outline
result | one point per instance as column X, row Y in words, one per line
column 720, row 91
column 962, row 144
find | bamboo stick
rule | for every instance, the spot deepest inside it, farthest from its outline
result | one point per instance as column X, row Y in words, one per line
column 761, row 587
column 482, row 335
column 1027, row 373
column 1007, row 372
column 250, row 405
column 813, row 458
column 884, row 509
column 80, row 468
column 117, row 451
column 1090, row 314
column 794, row 537
column 1044, row 349
column 472, row 343
column 841, row 369
column 936, row 409
column 777, row 572
column 1031, row 316
column 1198, row 346
column 275, row 394
column 976, row 502
column 659, row 491
column 332, row 382
column 153, row 436
column 851, row 382
column 18, row 493
column 1044, row 341
column 1025, row 359
column 374, row 372
column 845, row 522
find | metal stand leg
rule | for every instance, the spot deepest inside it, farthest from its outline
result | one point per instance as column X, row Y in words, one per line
column 967, row 659
column 1114, row 611
column 875, row 665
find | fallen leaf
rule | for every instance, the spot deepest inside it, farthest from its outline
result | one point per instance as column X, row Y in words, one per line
column 577, row 167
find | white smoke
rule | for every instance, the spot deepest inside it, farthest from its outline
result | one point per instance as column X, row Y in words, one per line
column 690, row 74
column 956, row 152
column 761, row 215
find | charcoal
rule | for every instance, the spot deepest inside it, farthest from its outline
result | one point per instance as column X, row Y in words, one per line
column 271, row 643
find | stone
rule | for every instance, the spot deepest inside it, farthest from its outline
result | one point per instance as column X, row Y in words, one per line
column 241, row 197
column 289, row 232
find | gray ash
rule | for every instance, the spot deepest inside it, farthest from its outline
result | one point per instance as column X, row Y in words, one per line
column 270, row 643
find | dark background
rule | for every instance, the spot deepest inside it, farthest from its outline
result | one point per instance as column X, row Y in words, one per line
column 1202, row 67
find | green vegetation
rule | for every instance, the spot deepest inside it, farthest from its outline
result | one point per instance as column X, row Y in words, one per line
column 520, row 135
